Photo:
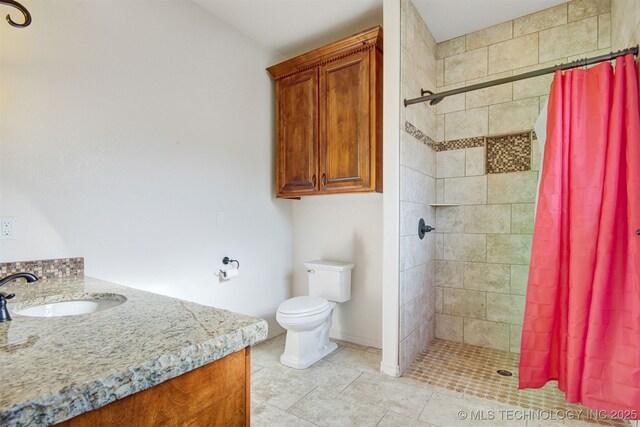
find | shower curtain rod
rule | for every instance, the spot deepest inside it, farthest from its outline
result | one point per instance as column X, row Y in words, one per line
column 437, row 97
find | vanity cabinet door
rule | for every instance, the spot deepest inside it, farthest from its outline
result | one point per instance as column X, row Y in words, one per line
column 297, row 134
column 216, row 394
column 345, row 124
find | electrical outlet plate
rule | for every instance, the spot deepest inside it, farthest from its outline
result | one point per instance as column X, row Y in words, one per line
column 7, row 228
column 219, row 218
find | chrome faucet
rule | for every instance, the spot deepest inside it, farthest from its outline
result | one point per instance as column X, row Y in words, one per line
column 4, row 310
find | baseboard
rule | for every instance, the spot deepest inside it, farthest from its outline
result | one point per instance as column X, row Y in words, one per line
column 275, row 330
column 339, row 335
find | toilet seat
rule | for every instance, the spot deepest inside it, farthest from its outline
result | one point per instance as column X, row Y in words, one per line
column 303, row 306
column 304, row 313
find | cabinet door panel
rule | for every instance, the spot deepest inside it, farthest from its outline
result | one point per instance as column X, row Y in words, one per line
column 345, row 123
column 297, row 142
column 216, row 394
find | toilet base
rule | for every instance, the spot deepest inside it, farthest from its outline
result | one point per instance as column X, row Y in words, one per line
column 309, row 359
column 303, row 348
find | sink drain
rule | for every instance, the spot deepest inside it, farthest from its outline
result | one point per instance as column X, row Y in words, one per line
column 505, row 373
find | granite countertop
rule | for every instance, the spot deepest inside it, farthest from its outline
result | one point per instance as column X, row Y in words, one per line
column 56, row 368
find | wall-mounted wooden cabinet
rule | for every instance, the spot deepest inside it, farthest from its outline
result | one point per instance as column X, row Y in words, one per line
column 329, row 118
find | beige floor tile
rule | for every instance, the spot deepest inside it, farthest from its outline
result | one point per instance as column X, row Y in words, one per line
column 255, row 403
column 267, row 353
column 425, row 386
column 324, row 374
column 393, row 419
column 277, row 388
column 545, row 423
column 439, row 372
column 362, row 360
column 377, row 351
column 277, row 341
column 269, row 416
column 444, row 368
column 326, row 408
column 403, row 398
column 447, row 411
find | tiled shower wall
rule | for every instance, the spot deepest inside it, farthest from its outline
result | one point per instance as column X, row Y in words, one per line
column 483, row 245
column 625, row 19
column 417, row 190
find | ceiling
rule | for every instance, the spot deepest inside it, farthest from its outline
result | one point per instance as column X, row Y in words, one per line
column 292, row 27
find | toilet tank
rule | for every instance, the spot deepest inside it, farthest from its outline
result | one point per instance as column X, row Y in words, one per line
column 330, row 279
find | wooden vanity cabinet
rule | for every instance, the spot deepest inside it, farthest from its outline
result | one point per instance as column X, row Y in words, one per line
column 216, row 394
column 329, row 118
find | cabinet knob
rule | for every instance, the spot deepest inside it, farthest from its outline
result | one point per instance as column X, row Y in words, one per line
column 324, row 179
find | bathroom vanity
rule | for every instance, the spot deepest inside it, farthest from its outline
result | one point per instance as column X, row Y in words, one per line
column 144, row 359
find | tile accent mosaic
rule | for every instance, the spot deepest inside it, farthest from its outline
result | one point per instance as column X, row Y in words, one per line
column 45, row 269
column 504, row 153
column 509, row 153
column 419, row 135
column 457, row 144
column 471, row 370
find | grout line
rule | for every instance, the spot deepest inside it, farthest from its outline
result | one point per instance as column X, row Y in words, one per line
column 354, row 380
column 567, row 22
column 385, row 414
column 301, row 397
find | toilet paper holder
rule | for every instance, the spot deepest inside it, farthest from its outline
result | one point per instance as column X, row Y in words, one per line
column 226, row 261
column 229, row 273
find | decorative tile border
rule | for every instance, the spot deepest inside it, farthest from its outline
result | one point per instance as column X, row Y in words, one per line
column 504, row 153
column 419, row 135
column 509, row 153
column 457, row 144
column 45, row 269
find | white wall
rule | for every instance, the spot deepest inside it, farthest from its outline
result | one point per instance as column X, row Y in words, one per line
column 344, row 227
column 125, row 127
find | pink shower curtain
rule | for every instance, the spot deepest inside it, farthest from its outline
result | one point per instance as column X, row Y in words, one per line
column 582, row 316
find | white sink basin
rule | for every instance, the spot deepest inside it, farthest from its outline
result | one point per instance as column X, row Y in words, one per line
column 72, row 307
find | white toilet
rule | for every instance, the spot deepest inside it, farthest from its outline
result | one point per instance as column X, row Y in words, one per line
column 307, row 319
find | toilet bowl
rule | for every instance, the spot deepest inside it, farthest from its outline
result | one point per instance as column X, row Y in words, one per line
column 307, row 319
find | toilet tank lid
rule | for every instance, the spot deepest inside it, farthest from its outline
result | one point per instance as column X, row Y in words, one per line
column 329, row 265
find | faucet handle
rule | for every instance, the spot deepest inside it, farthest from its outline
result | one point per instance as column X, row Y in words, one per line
column 4, row 310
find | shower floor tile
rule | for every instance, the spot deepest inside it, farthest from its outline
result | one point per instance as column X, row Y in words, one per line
column 472, row 370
